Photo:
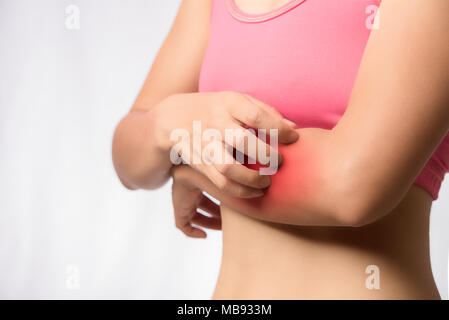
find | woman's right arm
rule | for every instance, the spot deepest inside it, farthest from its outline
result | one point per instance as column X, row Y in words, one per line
column 138, row 159
column 169, row 100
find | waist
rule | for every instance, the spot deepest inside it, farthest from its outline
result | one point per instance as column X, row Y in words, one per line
column 388, row 259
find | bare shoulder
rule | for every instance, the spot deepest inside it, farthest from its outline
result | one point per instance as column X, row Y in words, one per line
column 195, row 9
column 177, row 65
column 421, row 10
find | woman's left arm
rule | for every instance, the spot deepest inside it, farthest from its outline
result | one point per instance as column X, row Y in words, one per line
column 397, row 116
column 399, row 109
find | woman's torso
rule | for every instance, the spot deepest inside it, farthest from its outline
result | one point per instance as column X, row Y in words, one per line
column 303, row 60
column 271, row 261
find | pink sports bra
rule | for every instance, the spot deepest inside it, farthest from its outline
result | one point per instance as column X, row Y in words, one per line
column 302, row 59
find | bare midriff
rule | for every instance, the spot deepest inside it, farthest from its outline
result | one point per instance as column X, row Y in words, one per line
column 388, row 259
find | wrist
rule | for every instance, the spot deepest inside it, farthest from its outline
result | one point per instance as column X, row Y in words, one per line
column 160, row 119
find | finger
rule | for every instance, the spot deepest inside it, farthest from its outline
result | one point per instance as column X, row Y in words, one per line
column 254, row 115
column 209, row 206
column 272, row 111
column 260, row 147
column 207, row 222
column 234, row 170
column 183, row 223
column 241, row 139
column 184, row 205
column 184, row 198
column 243, row 175
column 193, row 232
column 230, row 187
column 286, row 124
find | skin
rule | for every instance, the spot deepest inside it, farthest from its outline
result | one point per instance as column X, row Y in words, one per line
column 352, row 211
column 141, row 145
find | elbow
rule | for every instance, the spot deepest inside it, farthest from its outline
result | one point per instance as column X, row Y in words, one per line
column 115, row 153
column 121, row 159
column 134, row 168
column 134, row 179
column 360, row 197
column 361, row 204
column 127, row 185
column 356, row 214
column 366, row 209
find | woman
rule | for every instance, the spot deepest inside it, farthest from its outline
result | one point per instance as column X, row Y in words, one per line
column 361, row 107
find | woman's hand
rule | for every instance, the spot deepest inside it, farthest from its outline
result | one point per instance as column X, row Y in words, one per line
column 187, row 199
column 141, row 145
column 305, row 190
column 221, row 111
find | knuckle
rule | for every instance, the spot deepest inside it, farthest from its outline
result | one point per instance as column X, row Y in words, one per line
column 229, row 97
column 224, row 169
column 272, row 109
column 244, row 137
column 232, row 95
column 224, row 185
column 254, row 118
column 241, row 192
column 219, row 183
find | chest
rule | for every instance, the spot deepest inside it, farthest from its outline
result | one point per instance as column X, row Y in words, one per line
column 303, row 62
column 259, row 6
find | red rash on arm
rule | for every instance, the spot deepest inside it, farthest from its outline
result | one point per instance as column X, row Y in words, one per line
column 396, row 118
column 291, row 181
column 295, row 186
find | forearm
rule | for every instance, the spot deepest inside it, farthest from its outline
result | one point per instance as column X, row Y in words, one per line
column 330, row 179
column 325, row 180
column 396, row 117
column 306, row 188
column 311, row 188
column 139, row 159
column 304, row 191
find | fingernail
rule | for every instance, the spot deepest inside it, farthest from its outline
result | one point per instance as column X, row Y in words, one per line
column 258, row 194
column 291, row 124
column 293, row 135
column 266, row 182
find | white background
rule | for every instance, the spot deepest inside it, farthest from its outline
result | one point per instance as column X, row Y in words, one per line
column 68, row 229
